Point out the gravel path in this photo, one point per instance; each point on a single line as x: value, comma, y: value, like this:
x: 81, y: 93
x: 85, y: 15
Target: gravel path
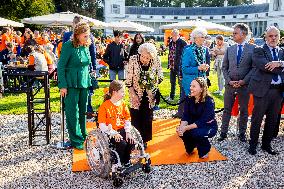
x: 22, y: 166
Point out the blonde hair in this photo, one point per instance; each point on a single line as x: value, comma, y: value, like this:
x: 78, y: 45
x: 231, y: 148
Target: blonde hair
x: 115, y: 85
x: 203, y: 85
x: 81, y: 27
x: 148, y: 47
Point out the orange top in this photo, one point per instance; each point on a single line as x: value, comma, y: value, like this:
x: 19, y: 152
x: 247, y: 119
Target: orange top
x: 31, y: 60
x: 41, y: 41
x: 47, y: 58
x: 52, y: 37
x: 115, y: 115
x: 5, y: 39
x: 59, y: 47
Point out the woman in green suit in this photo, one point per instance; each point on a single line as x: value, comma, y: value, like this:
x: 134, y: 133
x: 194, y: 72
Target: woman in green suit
x: 74, y: 81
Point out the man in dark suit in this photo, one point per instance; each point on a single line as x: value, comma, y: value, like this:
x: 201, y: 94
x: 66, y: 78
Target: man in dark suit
x: 266, y: 87
x: 237, y: 69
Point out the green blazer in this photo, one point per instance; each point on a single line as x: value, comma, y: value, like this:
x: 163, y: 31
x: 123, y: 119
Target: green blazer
x: 73, y: 67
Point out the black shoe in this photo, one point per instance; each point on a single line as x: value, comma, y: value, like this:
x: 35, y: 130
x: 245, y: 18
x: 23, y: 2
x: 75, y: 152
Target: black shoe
x: 222, y: 137
x: 269, y: 150
x: 242, y: 138
x: 252, y: 151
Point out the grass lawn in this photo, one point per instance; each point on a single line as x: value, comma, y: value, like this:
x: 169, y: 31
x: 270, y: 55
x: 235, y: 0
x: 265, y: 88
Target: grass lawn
x: 17, y: 103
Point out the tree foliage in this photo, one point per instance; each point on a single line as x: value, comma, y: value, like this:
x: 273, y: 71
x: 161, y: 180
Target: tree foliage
x: 18, y: 9
x: 90, y: 8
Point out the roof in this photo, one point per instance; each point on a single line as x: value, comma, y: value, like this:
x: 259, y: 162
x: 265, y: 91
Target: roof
x: 230, y: 10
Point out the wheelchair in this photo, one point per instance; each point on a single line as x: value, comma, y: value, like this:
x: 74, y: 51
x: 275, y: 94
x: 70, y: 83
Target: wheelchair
x: 104, y: 161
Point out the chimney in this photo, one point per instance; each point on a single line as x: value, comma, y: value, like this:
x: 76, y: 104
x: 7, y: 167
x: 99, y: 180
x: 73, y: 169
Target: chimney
x: 225, y: 3
x: 182, y: 5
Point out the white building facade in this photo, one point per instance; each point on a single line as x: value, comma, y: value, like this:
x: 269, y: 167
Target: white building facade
x: 257, y: 16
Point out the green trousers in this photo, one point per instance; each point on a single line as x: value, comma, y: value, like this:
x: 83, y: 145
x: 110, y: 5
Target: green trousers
x: 75, y: 111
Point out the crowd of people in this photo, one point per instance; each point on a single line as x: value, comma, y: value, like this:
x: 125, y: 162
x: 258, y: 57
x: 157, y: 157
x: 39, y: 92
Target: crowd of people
x: 241, y: 69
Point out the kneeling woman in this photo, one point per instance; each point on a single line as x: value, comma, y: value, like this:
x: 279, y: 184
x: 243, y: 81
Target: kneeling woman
x: 198, y: 122
x: 114, y: 120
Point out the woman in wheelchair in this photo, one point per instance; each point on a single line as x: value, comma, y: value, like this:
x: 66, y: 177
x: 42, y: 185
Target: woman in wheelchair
x: 114, y: 120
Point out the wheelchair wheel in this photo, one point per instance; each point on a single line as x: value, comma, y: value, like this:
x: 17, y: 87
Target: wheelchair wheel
x: 136, y: 135
x: 137, y: 151
x: 98, y: 153
x: 117, y: 182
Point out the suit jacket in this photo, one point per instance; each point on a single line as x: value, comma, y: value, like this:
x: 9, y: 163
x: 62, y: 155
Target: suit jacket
x: 73, y: 67
x: 67, y: 36
x: 180, y: 44
x: 234, y: 72
x: 261, y: 78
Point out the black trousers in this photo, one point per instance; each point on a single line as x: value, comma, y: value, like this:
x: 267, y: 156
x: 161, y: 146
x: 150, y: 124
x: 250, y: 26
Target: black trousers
x: 123, y: 148
x: 198, y: 138
x: 142, y: 119
x: 268, y: 105
x: 276, y: 130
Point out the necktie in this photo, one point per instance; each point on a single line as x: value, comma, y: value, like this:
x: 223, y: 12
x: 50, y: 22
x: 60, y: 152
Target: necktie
x: 240, y: 51
x: 275, y: 58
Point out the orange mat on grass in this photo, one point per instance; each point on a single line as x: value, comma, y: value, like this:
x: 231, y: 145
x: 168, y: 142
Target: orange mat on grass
x: 165, y: 148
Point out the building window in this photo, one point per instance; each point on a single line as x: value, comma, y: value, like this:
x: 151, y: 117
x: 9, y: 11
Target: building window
x: 256, y: 15
x: 246, y: 16
x: 235, y: 16
x: 151, y: 16
x: 138, y: 16
x: 211, y: 17
x: 277, y: 5
x: 199, y: 17
x: 175, y: 17
x: 163, y: 17
x: 266, y: 14
x: 223, y: 17
x: 187, y: 17
x: 115, y: 9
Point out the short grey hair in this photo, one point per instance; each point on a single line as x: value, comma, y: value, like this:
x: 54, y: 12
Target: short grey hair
x: 269, y: 28
x: 175, y: 31
x: 148, y: 47
x: 198, y: 32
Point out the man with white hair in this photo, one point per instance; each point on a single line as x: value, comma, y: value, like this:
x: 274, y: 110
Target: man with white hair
x: 266, y: 85
x: 176, y: 46
x: 237, y: 70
